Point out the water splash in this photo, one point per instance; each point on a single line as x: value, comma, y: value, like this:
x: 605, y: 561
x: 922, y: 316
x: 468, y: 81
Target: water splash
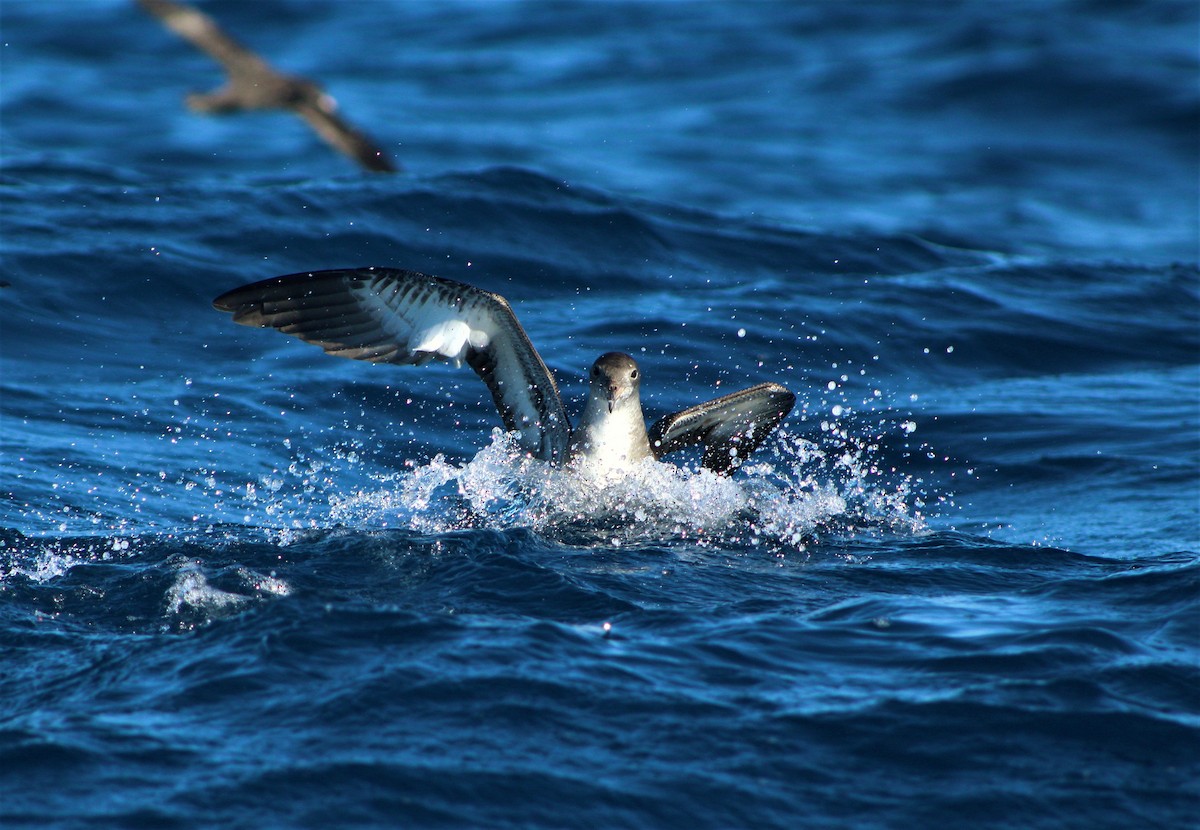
x: 41, y: 561
x: 800, y: 487
x: 192, y: 600
x: 803, y: 491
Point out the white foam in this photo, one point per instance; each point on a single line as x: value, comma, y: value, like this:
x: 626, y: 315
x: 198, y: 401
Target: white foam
x: 193, y: 600
x: 55, y: 557
x: 783, y: 501
x: 191, y: 591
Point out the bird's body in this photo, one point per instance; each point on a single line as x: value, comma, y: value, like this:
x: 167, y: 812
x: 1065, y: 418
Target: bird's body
x: 612, y: 430
x: 393, y: 316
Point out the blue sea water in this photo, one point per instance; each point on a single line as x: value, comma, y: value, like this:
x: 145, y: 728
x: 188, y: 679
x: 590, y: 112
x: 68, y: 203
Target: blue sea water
x: 243, y: 584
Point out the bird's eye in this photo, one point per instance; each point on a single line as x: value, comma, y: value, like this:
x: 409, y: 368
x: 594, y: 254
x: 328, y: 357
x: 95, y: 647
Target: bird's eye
x: 633, y: 375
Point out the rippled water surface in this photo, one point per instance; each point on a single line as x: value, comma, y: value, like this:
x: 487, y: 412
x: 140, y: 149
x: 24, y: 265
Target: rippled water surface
x: 245, y: 584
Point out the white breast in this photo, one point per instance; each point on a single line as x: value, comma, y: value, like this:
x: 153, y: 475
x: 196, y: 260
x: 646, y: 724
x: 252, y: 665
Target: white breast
x: 610, y: 440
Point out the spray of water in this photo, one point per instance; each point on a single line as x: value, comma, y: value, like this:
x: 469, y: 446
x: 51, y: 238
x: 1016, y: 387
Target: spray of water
x: 800, y: 492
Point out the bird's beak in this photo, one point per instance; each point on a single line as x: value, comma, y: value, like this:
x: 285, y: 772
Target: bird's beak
x: 615, y: 393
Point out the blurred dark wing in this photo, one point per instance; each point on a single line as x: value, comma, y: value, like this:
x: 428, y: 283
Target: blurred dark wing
x: 341, y: 136
x: 388, y: 315
x: 730, y: 428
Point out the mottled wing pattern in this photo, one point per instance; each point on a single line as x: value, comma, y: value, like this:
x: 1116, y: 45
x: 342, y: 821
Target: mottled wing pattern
x: 387, y: 315
x: 730, y: 427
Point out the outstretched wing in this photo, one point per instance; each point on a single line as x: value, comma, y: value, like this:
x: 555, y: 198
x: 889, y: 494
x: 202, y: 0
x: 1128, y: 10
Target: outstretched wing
x: 730, y: 428
x: 388, y: 315
x: 202, y: 32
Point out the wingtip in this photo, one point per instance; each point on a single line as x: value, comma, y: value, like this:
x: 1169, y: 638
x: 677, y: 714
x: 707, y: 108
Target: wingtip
x: 782, y: 394
x: 244, y: 298
x: 244, y: 312
x: 231, y: 302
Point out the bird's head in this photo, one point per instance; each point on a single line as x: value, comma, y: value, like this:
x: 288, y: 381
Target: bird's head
x: 614, y: 379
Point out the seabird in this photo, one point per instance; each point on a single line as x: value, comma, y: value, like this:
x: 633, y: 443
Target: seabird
x: 388, y: 315
x: 255, y: 84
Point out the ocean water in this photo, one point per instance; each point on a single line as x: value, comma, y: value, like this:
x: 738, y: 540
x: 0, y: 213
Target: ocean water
x: 243, y: 584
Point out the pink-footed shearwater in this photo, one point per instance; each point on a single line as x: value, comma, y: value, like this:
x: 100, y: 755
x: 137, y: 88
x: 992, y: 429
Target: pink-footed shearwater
x: 388, y: 315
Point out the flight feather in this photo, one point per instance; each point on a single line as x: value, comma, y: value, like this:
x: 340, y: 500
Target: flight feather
x: 388, y: 315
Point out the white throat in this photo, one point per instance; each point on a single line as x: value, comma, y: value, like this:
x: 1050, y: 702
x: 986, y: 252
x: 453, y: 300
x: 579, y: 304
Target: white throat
x: 611, y: 440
